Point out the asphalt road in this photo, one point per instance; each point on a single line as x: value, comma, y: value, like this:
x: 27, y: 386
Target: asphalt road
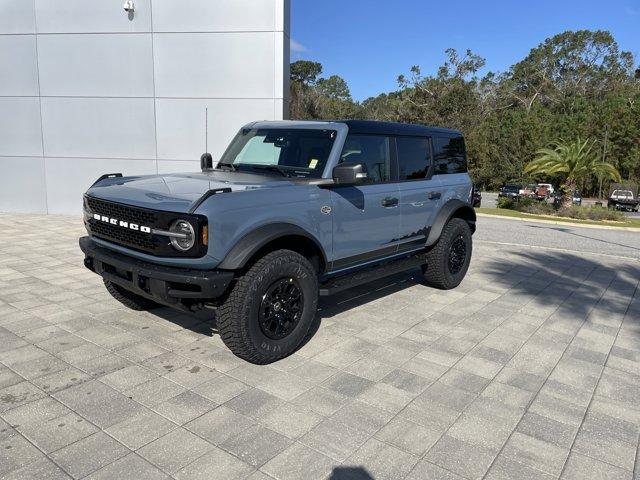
x: 562, y: 237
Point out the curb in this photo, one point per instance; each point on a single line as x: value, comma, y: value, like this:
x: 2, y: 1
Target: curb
x: 556, y: 222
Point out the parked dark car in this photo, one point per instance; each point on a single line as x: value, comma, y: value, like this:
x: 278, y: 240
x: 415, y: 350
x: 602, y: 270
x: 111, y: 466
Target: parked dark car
x: 510, y: 191
x: 577, y: 198
x: 476, y: 197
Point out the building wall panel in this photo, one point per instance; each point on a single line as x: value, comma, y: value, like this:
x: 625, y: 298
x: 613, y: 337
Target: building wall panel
x: 20, y: 133
x: 92, y: 16
x: 19, y: 66
x: 99, y: 127
x: 91, y: 89
x: 113, y: 65
x: 24, y: 190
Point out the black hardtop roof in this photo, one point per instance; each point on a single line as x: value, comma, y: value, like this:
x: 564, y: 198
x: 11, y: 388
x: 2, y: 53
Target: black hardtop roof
x: 392, y: 128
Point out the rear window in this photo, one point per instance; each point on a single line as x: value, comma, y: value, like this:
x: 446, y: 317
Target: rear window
x: 623, y: 193
x: 414, y: 157
x: 449, y: 155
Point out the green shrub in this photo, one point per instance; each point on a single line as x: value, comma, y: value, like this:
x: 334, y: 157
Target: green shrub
x: 526, y: 205
x: 507, y: 203
x: 535, y: 207
x: 591, y: 213
x: 525, y: 202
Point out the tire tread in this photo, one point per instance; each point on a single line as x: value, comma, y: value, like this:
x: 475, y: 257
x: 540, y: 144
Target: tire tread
x: 434, y: 272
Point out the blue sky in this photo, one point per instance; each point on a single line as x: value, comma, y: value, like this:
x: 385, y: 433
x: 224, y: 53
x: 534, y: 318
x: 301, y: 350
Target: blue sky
x: 370, y: 42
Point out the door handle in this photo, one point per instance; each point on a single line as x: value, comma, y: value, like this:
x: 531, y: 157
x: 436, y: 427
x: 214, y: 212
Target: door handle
x: 434, y: 195
x: 390, y: 202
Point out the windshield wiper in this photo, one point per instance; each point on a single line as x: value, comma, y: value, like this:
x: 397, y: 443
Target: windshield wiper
x: 231, y: 166
x: 272, y: 168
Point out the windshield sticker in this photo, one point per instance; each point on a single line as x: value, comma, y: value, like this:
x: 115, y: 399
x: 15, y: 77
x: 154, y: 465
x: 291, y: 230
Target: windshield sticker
x: 313, y: 163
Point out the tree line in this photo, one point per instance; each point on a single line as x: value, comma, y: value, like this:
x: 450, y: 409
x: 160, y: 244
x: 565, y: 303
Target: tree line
x: 577, y: 84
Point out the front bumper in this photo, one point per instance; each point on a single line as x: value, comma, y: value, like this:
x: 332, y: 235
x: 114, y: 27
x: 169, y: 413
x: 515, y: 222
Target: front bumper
x: 618, y: 205
x: 180, y: 288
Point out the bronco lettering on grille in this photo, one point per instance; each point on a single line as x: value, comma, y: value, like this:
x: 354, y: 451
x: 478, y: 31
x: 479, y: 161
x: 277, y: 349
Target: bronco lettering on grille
x: 122, y: 223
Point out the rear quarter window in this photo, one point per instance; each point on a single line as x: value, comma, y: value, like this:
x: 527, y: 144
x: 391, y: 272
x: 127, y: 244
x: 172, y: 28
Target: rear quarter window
x: 450, y: 155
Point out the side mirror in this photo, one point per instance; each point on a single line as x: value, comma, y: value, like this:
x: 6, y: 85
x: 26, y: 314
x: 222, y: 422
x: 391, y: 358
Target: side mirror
x: 206, y: 162
x: 349, y: 173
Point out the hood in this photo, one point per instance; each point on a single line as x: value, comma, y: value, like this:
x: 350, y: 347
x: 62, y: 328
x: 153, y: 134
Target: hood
x: 179, y: 191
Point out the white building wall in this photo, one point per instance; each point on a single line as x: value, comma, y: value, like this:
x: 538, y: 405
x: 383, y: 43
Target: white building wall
x: 86, y: 89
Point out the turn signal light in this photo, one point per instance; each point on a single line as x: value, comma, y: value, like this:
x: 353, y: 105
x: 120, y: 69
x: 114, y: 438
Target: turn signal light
x: 205, y: 235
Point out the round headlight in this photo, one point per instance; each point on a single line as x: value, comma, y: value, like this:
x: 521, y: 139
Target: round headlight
x: 184, y: 237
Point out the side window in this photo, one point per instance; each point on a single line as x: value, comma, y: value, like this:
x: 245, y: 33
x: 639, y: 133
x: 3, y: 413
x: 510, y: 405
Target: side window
x: 414, y: 157
x: 449, y: 155
x: 372, y: 151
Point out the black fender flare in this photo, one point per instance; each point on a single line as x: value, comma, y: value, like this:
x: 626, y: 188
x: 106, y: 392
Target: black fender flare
x: 451, y: 208
x: 253, y: 241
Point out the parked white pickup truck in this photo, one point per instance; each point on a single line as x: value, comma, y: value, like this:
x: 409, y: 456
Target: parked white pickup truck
x: 623, y: 200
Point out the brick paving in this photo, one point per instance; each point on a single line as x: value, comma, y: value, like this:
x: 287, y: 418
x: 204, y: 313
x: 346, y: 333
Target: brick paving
x: 530, y: 369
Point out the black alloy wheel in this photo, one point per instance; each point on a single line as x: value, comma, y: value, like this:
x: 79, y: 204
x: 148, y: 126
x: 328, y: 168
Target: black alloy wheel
x: 457, y: 255
x: 281, y: 308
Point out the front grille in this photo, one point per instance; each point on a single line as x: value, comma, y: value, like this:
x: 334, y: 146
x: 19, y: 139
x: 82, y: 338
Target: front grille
x: 120, y: 235
x: 137, y: 239
x: 122, y: 212
x: 130, y: 238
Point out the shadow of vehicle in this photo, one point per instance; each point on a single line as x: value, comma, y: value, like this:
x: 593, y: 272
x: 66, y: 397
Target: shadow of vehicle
x: 203, y: 322
x: 350, y: 473
x: 567, y: 286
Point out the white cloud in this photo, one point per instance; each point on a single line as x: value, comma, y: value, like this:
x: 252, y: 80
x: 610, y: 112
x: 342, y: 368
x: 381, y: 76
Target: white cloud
x: 297, y: 47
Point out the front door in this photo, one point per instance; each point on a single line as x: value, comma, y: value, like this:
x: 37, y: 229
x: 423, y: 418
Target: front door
x: 366, y: 217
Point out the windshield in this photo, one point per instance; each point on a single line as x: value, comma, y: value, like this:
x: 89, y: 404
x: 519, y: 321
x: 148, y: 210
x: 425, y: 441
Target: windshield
x: 511, y: 188
x: 623, y: 193
x: 279, y: 151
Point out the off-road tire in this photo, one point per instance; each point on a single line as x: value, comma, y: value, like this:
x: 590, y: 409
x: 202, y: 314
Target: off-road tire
x: 436, y: 271
x: 130, y: 299
x: 238, y: 317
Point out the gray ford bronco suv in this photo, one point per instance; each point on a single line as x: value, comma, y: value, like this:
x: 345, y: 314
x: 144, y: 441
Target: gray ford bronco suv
x: 291, y: 211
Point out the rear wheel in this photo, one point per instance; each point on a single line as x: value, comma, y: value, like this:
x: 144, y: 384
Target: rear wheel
x: 270, y: 309
x: 130, y: 299
x: 448, y: 261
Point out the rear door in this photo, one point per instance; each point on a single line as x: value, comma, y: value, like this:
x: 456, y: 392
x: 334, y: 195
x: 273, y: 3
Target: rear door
x: 420, y: 192
x: 450, y: 167
x: 366, y: 217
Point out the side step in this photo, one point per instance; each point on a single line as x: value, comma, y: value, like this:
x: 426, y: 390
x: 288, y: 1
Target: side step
x: 338, y: 284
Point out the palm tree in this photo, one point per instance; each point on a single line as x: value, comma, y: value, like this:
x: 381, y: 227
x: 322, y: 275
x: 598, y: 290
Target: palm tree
x: 576, y: 160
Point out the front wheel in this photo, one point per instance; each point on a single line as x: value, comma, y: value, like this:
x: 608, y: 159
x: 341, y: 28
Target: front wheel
x: 270, y: 309
x: 448, y: 261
